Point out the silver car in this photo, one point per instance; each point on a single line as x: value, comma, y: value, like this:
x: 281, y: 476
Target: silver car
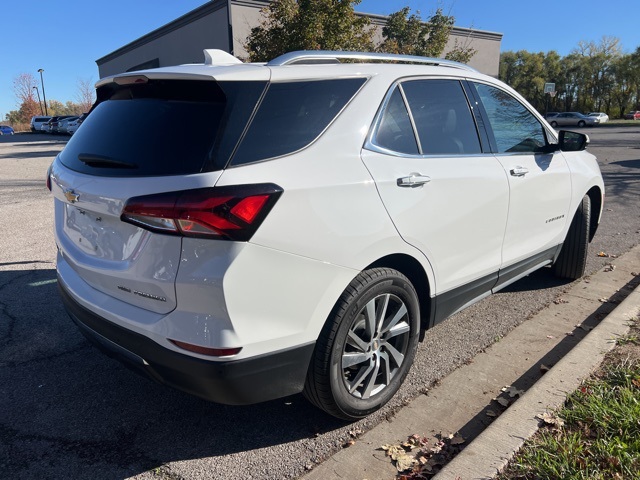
x: 573, y: 119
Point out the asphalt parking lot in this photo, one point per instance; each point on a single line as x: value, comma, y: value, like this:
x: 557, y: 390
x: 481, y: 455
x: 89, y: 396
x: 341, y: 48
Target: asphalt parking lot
x: 67, y: 411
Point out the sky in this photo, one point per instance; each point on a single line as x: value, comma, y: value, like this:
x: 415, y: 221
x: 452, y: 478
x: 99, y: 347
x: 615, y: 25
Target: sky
x: 66, y: 38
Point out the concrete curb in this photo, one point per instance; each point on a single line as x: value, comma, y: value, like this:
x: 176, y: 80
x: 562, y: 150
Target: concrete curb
x: 489, y: 453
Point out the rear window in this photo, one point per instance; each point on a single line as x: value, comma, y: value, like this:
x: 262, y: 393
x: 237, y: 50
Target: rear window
x: 292, y: 115
x: 161, y: 127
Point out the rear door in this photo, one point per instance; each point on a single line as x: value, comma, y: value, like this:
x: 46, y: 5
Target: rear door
x: 445, y: 196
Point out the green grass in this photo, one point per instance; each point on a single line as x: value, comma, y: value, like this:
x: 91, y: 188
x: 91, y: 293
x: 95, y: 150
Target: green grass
x: 600, y: 438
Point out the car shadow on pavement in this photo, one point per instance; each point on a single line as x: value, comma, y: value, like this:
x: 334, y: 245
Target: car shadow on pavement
x: 68, y: 411
x: 35, y: 154
x: 539, y: 367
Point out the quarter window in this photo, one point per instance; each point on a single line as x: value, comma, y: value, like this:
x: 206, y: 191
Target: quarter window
x: 514, y: 127
x: 442, y: 117
x: 395, y: 132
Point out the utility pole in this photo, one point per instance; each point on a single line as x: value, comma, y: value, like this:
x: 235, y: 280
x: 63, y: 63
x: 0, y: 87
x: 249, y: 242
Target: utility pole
x: 44, y: 95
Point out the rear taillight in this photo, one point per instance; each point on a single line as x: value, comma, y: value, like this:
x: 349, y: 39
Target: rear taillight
x: 228, y: 213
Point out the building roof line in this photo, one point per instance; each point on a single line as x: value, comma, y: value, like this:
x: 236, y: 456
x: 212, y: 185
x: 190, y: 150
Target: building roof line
x: 173, y: 25
x: 215, y: 5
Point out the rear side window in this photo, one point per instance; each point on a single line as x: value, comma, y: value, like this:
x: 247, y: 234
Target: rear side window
x: 292, y: 115
x: 160, y: 127
x: 442, y: 117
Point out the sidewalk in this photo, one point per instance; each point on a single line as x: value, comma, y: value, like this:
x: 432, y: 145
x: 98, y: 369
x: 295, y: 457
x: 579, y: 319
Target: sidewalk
x: 561, y: 336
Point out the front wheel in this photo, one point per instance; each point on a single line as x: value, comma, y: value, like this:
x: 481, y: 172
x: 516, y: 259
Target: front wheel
x: 572, y: 261
x: 554, y: 124
x: 367, y: 346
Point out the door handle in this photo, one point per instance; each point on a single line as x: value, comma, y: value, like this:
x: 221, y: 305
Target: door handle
x: 519, y: 171
x: 413, y: 180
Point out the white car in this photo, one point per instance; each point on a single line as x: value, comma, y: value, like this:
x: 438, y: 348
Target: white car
x: 37, y: 122
x: 308, y: 220
x: 601, y: 116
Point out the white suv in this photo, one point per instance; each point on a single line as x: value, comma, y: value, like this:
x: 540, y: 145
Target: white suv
x: 249, y: 231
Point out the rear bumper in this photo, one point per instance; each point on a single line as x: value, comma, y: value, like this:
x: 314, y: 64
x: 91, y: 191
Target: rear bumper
x: 234, y: 382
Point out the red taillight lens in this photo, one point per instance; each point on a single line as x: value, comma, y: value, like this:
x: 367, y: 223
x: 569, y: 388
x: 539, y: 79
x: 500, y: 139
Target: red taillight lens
x: 230, y: 213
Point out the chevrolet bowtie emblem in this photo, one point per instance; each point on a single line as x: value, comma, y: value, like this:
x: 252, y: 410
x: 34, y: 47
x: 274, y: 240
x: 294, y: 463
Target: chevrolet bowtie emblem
x: 71, y: 196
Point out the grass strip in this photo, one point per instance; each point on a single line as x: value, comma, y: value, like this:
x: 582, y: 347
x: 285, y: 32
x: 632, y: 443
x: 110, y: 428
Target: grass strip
x: 596, y: 435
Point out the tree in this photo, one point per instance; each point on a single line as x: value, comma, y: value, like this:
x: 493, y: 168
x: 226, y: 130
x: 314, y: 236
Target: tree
x: 27, y: 105
x: 406, y: 33
x: 85, y: 94
x: 290, y: 25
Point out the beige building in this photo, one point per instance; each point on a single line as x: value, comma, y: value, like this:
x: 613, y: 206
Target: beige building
x: 225, y: 24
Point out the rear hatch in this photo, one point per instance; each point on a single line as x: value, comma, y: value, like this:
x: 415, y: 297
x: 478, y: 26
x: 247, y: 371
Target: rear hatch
x: 143, y: 137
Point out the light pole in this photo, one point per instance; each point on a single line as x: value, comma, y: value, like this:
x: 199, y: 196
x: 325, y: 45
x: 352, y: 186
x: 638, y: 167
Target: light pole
x: 44, y: 95
x: 39, y: 102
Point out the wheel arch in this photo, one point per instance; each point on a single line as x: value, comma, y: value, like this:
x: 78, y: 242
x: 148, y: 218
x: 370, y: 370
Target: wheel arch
x: 414, y: 271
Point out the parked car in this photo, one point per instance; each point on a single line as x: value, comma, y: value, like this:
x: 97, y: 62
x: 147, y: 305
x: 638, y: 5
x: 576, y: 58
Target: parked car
x: 6, y: 130
x: 603, y: 117
x: 73, y: 125
x: 308, y: 220
x: 55, y: 123
x: 632, y: 115
x: 550, y: 114
x: 63, y: 124
x: 573, y: 119
x: 37, y: 122
x: 47, y: 126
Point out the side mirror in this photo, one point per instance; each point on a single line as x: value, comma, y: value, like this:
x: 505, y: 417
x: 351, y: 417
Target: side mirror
x: 573, y: 141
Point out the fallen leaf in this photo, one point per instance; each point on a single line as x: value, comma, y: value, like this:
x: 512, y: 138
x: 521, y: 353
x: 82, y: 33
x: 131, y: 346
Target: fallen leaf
x: 457, y: 440
x: 513, y: 391
x: 405, y: 462
x: 550, y: 419
x: 586, y: 328
x: 503, y: 401
x: 636, y: 382
x: 602, y: 254
x: 550, y: 336
x: 491, y: 413
x: 569, y: 334
x: 544, y: 368
x: 558, y: 301
x: 603, y: 300
x: 609, y: 267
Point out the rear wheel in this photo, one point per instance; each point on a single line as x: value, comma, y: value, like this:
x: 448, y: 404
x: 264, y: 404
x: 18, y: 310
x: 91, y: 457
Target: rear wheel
x: 367, y: 346
x: 581, y: 123
x: 572, y: 260
x: 554, y: 124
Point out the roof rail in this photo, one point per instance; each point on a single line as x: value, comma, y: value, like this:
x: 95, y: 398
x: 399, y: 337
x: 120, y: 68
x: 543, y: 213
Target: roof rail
x: 306, y: 57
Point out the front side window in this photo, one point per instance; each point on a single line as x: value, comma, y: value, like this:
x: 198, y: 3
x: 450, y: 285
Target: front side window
x: 514, y: 127
x: 442, y: 117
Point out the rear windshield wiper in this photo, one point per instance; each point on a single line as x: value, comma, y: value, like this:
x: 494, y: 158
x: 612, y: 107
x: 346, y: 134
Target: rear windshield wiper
x: 100, y: 161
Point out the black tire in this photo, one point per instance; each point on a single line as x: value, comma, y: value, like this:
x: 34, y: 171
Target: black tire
x: 554, y: 124
x: 350, y: 391
x: 572, y: 260
x: 581, y: 123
